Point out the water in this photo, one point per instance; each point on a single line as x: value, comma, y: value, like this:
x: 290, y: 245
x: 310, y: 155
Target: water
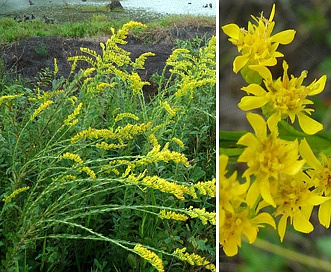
x: 159, y: 6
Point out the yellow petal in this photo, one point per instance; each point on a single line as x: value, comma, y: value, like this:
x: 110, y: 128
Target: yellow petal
x: 258, y: 124
x: 251, y: 102
x: 324, y: 214
x: 230, y: 248
x: 319, y: 85
x: 250, y: 232
x: 263, y: 71
x: 247, y: 139
x: 273, y: 121
x: 223, y: 162
x: 272, y: 14
x: 239, y: 62
x: 309, y: 125
x: 231, y: 30
x: 294, y: 168
x: 282, y: 227
x: 307, y: 154
x: 254, y: 89
x: 301, y: 223
x: 264, y: 218
x: 266, y: 194
x: 283, y: 37
x: 253, y: 194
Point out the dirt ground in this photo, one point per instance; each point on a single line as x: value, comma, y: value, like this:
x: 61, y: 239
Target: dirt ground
x: 29, y: 56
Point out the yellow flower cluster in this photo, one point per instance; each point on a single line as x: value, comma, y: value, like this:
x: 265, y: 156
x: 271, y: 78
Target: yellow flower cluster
x: 283, y: 98
x: 71, y: 156
x: 9, y: 97
x: 156, y: 154
x: 236, y: 217
x: 149, y: 256
x: 67, y: 177
x: 256, y: 44
x: 168, y: 108
x: 92, y: 133
x: 194, y: 259
x: 195, y: 72
x: 172, y: 215
x: 113, y: 60
x: 178, y: 190
x: 129, y: 130
x: 178, y: 141
x: 139, y: 63
x: 282, y: 174
x: 42, y: 107
x: 121, y: 116
x: 56, y: 67
x: 104, y: 85
x: 88, y: 171
x: 16, y: 192
x: 106, y: 146
x: 71, y: 121
x: 207, y: 187
x: 203, y: 215
x: 120, y: 133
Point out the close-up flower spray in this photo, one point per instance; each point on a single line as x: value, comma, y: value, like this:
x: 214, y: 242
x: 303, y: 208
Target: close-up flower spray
x: 284, y: 169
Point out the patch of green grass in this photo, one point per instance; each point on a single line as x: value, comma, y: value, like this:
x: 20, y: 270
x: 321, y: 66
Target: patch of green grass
x: 98, y: 25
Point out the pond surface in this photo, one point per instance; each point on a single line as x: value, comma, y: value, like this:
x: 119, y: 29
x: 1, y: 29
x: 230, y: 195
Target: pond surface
x: 193, y: 7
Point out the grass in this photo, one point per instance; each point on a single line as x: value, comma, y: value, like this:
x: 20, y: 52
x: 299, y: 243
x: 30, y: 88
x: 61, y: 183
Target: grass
x: 98, y: 25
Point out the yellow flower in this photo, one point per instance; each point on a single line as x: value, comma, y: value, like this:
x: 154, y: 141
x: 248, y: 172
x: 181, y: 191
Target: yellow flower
x: 256, y: 44
x: 42, y: 107
x: 320, y: 173
x: 207, y: 187
x: 9, y: 97
x: 235, y: 217
x: 295, y: 201
x: 178, y: 141
x: 70, y: 121
x: 155, y: 182
x: 267, y: 158
x: 231, y: 191
x: 284, y: 98
x: 172, y: 215
x: 121, y: 116
x: 149, y: 256
x: 203, y: 215
x: 194, y: 259
x: 156, y: 154
x: 16, y: 192
x: 139, y: 63
x: 71, y: 156
x: 240, y: 223
x: 56, y: 67
x: 92, y: 133
x: 88, y: 171
x: 106, y: 146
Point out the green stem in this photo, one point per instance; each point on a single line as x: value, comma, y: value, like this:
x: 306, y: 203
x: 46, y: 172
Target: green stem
x: 293, y: 255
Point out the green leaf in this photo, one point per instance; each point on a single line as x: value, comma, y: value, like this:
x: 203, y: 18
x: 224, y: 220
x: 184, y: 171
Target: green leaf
x: 320, y: 142
x: 230, y: 138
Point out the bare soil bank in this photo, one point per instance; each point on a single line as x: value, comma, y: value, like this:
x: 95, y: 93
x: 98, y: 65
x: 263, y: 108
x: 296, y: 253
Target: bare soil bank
x: 29, y: 56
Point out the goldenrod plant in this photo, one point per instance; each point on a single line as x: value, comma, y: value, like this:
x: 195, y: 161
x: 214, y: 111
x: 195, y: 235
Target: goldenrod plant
x: 287, y: 166
x: 94, y: 177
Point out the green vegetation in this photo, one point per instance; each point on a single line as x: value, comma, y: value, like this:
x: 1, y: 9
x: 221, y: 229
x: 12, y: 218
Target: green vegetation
x: 94, y: 178
x: 98, y: 25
